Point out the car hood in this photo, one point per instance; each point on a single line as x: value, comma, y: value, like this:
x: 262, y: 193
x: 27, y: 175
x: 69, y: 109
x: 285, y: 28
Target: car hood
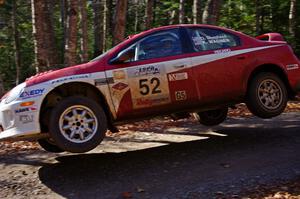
x: 69, y: 71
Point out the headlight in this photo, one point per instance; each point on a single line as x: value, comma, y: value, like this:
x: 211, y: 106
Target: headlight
x: 15, y: 93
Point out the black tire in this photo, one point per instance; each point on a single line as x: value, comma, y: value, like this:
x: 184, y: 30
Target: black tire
x: 212, y: 117
x: 77, y: 124
x: 47, y: 145
x: 267, y: 95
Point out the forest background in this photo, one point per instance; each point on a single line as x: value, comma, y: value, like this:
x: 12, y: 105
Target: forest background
x: 40, y: 35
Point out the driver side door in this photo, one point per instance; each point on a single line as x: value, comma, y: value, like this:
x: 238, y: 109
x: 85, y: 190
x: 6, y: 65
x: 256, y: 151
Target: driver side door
x: 154, y: 78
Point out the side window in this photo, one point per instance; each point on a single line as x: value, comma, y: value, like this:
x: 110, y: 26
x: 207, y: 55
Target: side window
x: 212, y: 39
x: 161, y: 44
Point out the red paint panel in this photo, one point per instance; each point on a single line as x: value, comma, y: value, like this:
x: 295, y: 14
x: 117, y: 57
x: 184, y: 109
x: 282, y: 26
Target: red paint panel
x: 187, y: 85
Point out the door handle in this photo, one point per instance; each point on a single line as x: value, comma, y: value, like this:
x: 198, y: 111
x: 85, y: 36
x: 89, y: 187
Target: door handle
x: 180, y: 66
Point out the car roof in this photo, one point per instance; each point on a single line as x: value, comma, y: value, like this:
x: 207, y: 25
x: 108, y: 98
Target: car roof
x: 185, y: 26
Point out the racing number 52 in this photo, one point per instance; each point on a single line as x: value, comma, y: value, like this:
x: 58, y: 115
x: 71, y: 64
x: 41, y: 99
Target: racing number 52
x: 145, y: 88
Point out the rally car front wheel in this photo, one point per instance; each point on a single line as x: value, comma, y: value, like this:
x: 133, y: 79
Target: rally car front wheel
x: 77, y: 124
x: 212, y: 117
x: 267, y: 95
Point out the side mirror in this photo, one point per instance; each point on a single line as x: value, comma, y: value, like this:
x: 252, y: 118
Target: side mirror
x: 123, y: 56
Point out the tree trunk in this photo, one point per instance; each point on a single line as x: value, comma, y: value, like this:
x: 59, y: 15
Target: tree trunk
x: 71, y: 33
x: 211, y: 12
x: 206, y: 12
x: 292, y: 19
x: 197, y: 11
x: 63, y: 11
x: 98, y: 28
x: 84, y: 35
x: 257, y: 17
x: 110, y: 18
x: 149, y: 14
x: 119, y: 21
x: 16, y: 41
x: 2, y: 91
x: 172, y: 17
x: 136, y: 16
x: 181, y: 12
x: 43, y: 32
x: 216, y: 7
x: 154, y: 13
x: 262, y: 19
x: 105, y: 23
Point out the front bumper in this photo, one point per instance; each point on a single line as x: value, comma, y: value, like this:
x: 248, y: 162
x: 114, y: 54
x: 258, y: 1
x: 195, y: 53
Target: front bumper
x: 18, y: 122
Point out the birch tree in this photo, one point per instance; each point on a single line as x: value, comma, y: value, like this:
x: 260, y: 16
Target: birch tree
x: 181, y: 12
x: 292, y: 18
x: 197, y: 11
x: 84, y: 34
x: 211, y: 12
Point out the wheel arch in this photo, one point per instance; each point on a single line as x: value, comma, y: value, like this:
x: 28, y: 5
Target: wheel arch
x: 272, y: 68
x: 67, y: 90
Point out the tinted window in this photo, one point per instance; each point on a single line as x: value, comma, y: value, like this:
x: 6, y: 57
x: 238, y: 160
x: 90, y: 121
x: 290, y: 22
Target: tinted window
x: 212, y: 39
x: 161, y: 44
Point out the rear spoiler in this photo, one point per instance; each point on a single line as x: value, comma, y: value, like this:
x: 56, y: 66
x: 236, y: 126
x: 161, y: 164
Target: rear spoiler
x: 271, y: 37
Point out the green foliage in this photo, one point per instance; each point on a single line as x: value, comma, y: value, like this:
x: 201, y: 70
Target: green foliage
x: 238, y: 15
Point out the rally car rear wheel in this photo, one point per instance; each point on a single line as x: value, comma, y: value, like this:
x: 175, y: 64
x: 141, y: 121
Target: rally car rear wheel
x: 49, y: 145
x: 267, y: 95
x: 212, y: 117
x: 77, y: 124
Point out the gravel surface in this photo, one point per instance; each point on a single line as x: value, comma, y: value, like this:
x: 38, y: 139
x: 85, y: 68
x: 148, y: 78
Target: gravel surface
x: 242, y: 158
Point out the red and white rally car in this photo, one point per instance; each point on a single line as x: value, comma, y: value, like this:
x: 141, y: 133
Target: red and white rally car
x: 168, y: 70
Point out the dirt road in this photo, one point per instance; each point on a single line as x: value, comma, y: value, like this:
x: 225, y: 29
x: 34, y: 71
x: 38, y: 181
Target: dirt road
x: 185, y: 162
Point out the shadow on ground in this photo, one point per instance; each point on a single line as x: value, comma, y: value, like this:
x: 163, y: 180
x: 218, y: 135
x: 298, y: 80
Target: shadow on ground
x: 245, y: 157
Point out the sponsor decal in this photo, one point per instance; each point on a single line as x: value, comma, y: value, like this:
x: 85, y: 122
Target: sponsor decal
x: 26, y: 118
x: 148, y: 86
x: 32, y: 93
x: 22, y: 110
x: 32, y: 108
x: 146, y: 102
x: 119, y: 86
x: 180, y: 95
x: 145, y: 71
x: 119, y: 74
x: 104, y: 81
x: 198, y: 40
x: 177, y: 76
x: 70, y: 78
x: 292, y: 66
x: 219, y: 39
x: 222, y: 51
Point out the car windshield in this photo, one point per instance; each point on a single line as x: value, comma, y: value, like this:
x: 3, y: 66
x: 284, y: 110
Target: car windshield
x: 105, y: 53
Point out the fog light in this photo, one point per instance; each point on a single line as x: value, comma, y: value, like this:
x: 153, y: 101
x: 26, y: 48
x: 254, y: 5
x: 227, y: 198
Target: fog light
x: 8, y: 119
